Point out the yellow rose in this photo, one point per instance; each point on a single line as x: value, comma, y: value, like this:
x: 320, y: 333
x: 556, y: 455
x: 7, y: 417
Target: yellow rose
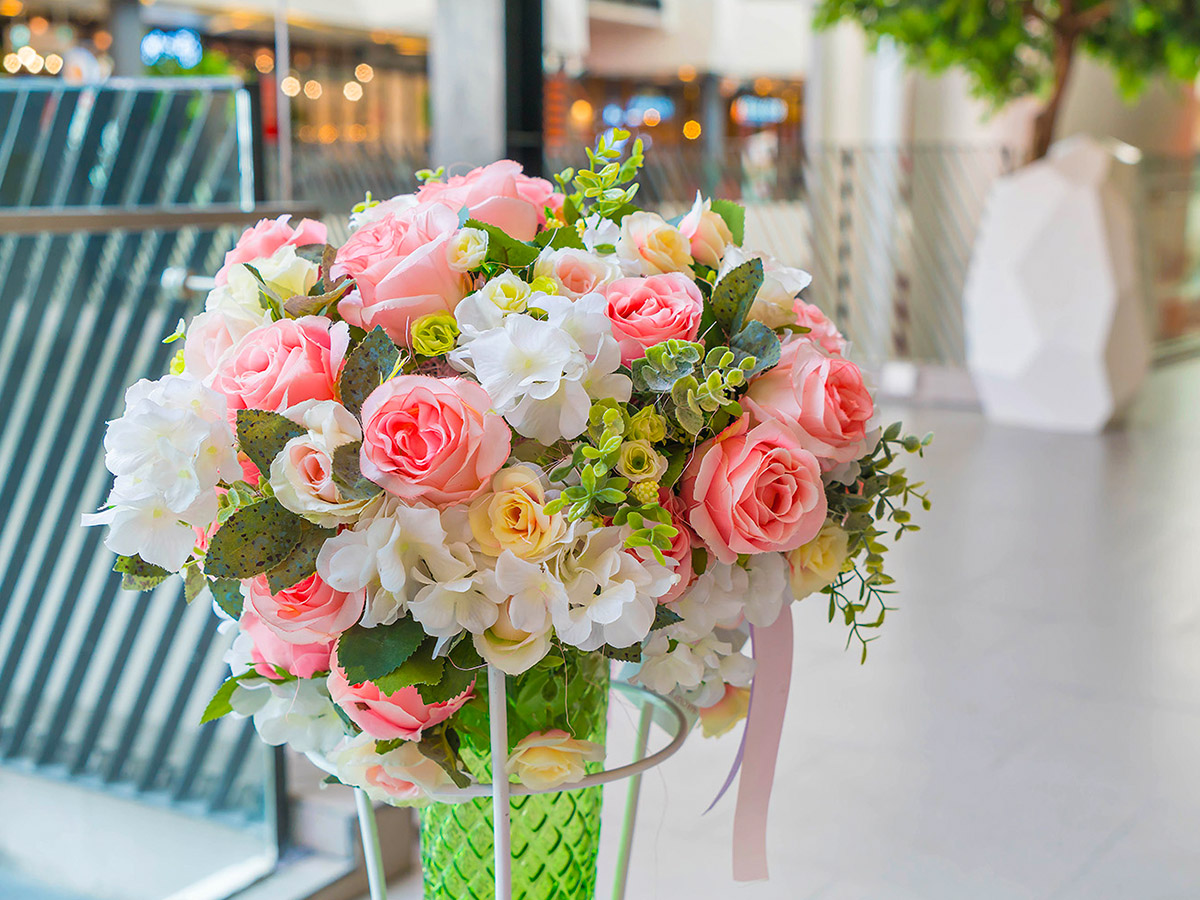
x: 652, y: 245
x: 513, y: 516
x: 818, y: 563
x: 507, y: 292
x: 638, y: 461
x: 548, y: 759
x: 509, y: 649
x: 720, y: 718
x: 467, y: 250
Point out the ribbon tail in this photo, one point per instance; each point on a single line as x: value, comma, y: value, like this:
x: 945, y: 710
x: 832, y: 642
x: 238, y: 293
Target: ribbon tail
x: 760, y: 746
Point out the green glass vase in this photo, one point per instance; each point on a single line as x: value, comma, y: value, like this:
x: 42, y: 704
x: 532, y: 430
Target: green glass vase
x: 555, y: 837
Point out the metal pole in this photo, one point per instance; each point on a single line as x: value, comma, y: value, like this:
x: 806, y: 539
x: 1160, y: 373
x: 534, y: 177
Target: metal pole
x: 372, y: 855
x: 501, y: 816
x: 632, y: 795
x: 283, y: 103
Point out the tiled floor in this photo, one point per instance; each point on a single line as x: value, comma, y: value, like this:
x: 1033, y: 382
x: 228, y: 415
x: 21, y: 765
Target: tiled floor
x: 1028, y: 728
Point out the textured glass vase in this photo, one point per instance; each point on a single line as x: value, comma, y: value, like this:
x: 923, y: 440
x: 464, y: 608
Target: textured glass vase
x: 555, y: 837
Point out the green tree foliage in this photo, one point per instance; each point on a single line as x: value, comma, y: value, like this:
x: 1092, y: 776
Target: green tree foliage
x: 1015, y: 48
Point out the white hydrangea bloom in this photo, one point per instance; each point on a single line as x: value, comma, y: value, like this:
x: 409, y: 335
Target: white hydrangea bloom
x: 298, y: 713
x: 486, y: 307
x: 168, y: 451
x: 611, y: 593
x: 600, y: 232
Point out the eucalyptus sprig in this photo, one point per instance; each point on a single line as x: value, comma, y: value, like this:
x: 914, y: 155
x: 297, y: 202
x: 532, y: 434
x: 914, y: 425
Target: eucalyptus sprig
x: 600, y: 188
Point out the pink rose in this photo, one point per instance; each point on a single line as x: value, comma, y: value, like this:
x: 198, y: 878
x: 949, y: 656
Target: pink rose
x: 647, y: 311
x: 822, y: 398
x: 432, y: 440
x: 753, y: 489
x: 498, y: 194
x: 283, y: 363
x: 306, y: 613
x: 820, y: 328
x: 386, y: 717
x: 268, y: 236
x: 401, y: 270
x: 270, y: 652
x: 681, y: 545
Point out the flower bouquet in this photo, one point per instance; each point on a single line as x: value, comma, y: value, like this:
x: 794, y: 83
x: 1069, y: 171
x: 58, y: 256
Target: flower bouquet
x: 514, y: 426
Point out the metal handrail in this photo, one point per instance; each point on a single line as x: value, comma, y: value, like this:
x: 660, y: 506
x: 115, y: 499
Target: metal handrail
x: 28, y: 83
x: 94, y: 220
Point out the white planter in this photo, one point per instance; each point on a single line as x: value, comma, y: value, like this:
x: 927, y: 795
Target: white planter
x: 1054, y: 314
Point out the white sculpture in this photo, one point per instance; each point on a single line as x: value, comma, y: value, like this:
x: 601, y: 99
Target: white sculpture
x: 1056, y: 326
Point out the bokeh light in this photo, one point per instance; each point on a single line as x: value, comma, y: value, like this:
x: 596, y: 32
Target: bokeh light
x: 313, y: 89
x: 54, y: 63
x: 264, y: 62
x: 364, y: 73
x: 352, y: 91
x: 691, y: 129
x: 290, y: 85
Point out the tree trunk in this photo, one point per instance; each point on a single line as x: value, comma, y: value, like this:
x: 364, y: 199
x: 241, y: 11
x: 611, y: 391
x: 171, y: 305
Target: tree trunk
x: 1043, y: 129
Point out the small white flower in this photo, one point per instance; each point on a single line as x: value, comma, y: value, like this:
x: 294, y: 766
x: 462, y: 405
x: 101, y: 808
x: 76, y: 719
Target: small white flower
x: 532, y: 591
x: 484, y: 309
x: 600, y: 232
x: 467, y: 249
x: 298, y: 713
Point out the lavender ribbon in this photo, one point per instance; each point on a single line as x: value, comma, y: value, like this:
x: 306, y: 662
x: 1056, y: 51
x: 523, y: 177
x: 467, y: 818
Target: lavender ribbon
x: 771, y: 648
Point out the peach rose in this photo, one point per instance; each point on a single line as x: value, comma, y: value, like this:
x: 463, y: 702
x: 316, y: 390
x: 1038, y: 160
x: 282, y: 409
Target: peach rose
x: 283, y: 363
x: 576, y: 272
x: 706, y: 232
x: 306, y: 613
x: 267, y: 236
x: 753, y: 489
x: 547, y: 759
x: 402, y: 270
x: 648, y: 311
x: 432, y: 440
x: 402, y: 777
x: 270, y: 652
x: 386, y: 717
x: 512, y: 516
x: 820, y: 329
x: 651, y: 246
x: 722, y: 716
x: 822, y: 398
x: 498, y: 194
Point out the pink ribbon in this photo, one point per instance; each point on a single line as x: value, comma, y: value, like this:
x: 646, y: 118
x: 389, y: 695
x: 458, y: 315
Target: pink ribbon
x: 759, y: 751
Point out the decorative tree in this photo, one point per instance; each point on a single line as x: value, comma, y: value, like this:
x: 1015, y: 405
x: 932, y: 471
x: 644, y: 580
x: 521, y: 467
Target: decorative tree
x: 1014, y: 48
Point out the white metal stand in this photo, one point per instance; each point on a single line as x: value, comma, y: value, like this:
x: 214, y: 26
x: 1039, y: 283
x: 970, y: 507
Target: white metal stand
x: 501, y: 791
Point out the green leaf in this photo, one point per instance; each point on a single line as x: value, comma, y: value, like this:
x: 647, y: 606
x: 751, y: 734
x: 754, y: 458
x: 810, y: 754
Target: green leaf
x: 734, y: 215
x: 219, y: 705
x: 317, y: 304
x: 227, y: 592
x: 624, y: 654
x: 675, y: 466
x: 420, y: 668
x: 556, y: 238
x: 734, y: 294
x: 262, y: 435
x: 368, y: 654
x: 664, y: 616
x: 348, y: 476
x: 757, y: 340
x: 302, y: 561
x: 194, y: 583
x: 440, y: 745
x: 255, y: 539
x: 505, y: 250
x: 139, y: 575
x: 463, y: 666
x: 367, y: 365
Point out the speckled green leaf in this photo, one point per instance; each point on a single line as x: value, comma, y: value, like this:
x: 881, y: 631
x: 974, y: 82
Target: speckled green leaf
x: 368, y: 654
x: 759, y: 341
x: 734, y: 293
x: 262, y: 434
x: 316, y: 304
x: 255, y: 539
x: 624, y: 654
x: 227, y: 592
x: 302, y: 561
x: 139, y: 575
x: 193, y: 582
x: 664, y: 616
x: 367, y: 365
x: 348, y: 477
x: 420, y: 668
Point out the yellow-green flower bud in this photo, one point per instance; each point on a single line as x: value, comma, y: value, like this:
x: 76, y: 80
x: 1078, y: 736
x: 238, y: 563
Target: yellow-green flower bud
x: 648, y: 425
x: 177, y: 362
x: 645, y: 492
x: 638, y: 461
x: 544, y: 285
x: 434, y: 334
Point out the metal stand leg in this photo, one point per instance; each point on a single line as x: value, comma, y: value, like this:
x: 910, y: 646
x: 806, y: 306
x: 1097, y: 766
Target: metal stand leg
x: 370, y: 840
x: 631, y: 806
x: 501, y: 817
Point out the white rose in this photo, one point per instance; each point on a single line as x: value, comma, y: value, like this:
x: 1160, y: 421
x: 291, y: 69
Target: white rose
x: 467, y: 249
x: 401, y: 777
x: 774, y: 305
x: 576, y: 272
x: 302, y: 474
x: 818, y: 563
